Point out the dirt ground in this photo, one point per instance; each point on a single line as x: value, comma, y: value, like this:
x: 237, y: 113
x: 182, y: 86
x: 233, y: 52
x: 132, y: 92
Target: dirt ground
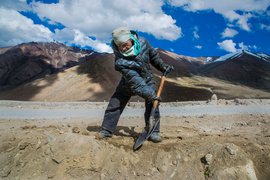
x: 235, y: 146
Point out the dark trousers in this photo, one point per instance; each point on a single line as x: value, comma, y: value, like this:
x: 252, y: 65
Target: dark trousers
x: 116, y: 106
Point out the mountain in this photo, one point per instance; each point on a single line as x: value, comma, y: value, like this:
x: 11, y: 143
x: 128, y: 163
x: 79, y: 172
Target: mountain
x: 55, y: 72
x: 241, y: 68
x: 23, y: 62
x: 183, y: 65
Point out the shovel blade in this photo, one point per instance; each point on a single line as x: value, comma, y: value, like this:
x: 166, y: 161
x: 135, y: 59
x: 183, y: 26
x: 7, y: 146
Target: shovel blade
x: 139, y: 142
x: 153, y: 122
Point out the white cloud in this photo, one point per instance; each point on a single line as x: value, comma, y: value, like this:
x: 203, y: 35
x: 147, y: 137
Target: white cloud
x: 227, y: 8
x: 71, y: 36
x: 227, y: 45
x: 16, y: 28
x: 83, y: 19
x: 242, y: 46
x: 195, y: 32
x: 18, y: 5
x: 265, y: 27
x: 99, y: 18
x: 171, y: 49
x: 198, y: 47
x: 228, y: 32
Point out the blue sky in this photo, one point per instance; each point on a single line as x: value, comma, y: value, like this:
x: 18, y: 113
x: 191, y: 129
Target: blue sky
x: 188, y: 27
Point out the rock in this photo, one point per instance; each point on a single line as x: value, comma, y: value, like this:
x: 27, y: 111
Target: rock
x: 163, y: 168
x: 5, y: 171
x: 10, y: 149
x: 29, y: 127
x: 202, y: 116
x: 85, y: 133
x: 76, y: 130
x: 122, y: 131
x: 245, y: 171
x: 231, y: 148
x: 23, y: 145
x: 51, y: 172
x: 38, y: 144
x: 243, y: 123
x: 50, y: 138
x: 227, y: 128
x: 214, y: 97
x: 76, y: 160
x: 208, y: 158
x: 58, y: 159
x: 186, y: 159
x: 102, y: 176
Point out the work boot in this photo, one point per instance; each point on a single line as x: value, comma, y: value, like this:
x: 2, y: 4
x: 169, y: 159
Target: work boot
x: 155, y: 137
x: 103, y: 134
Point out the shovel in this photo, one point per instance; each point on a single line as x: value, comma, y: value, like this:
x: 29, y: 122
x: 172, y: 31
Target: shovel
x: 154, y: 116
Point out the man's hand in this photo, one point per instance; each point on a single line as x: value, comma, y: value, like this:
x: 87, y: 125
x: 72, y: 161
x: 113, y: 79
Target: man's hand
x: 158, y: 98
x: 168, y: 68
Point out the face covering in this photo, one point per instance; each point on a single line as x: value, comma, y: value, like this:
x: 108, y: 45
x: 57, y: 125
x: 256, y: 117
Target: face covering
x: 135, y: 49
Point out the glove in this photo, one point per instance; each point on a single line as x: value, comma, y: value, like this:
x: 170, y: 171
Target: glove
x: 157, y: 98
x: 151, y: 100
x: 168, y: 68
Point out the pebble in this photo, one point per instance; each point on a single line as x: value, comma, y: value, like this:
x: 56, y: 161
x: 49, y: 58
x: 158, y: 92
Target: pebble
x: 76, y: 130
x: 214, y: 97
x: 6, y: 171
x: 58, y: 160
x: 243, y: 123
x: 227, y: 128
x: 231, y: 149
x: 23, y: 145
x: 102, y: 176
x: 163, y: 168
x: 208, y: 158
x: 10, y: 149
x: 29, y: 127
x: 185, y: 159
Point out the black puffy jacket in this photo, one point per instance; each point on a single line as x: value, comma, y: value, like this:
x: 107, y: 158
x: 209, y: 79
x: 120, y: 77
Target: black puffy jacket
x: 136, y: 71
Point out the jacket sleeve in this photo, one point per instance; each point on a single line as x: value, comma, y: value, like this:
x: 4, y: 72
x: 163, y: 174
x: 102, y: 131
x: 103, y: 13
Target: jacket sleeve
x: 155, y: 60
x: 130, y: 73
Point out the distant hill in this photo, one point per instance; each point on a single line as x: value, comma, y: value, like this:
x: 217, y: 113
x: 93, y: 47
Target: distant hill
x: 27, y: 61
x: 55, y: 72
x: 184, y: 65
x: 242, y: 68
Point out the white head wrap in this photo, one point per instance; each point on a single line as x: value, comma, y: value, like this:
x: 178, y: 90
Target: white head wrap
x: 121, y: 35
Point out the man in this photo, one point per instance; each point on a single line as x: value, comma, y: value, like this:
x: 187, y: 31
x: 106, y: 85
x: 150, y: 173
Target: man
x: 133, y: 56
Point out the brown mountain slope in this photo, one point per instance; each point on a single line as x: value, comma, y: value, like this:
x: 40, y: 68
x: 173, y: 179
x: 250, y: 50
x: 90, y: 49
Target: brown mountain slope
x: 24, y: 62
x: 183, y: 65
x: 242, y: 68
x: 95, y: 80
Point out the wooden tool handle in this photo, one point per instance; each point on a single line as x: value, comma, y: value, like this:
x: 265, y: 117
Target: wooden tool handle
x: 155, y: 103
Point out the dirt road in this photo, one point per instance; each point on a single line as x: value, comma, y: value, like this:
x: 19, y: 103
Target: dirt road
x: 201, y: 140
x: 48, y: 110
